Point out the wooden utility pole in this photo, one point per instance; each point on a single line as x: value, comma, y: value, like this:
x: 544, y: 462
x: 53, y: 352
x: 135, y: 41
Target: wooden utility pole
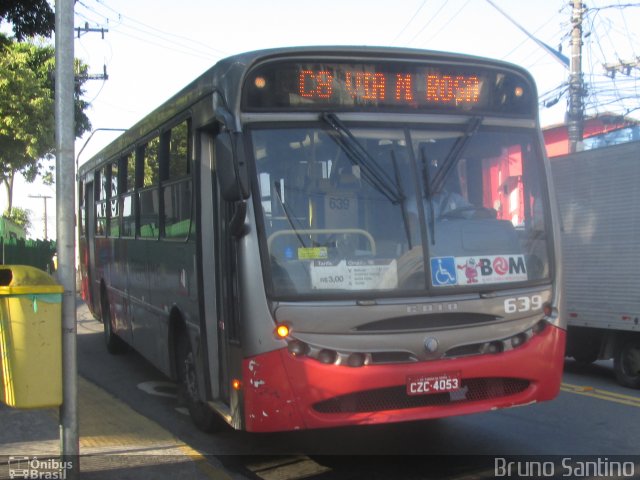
x: 45, y: 198
x: 575, y: 113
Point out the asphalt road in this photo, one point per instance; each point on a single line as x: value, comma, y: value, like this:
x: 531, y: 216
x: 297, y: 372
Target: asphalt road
x: 592, y: 416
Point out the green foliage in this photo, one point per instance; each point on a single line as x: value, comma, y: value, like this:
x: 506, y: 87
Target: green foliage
x: 26, y: 108
x: 28, y: 17
x: 27, y: 123
x: 20, y: 217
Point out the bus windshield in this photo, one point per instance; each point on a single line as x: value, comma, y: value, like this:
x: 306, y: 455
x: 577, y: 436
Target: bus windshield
x: 353, y: 209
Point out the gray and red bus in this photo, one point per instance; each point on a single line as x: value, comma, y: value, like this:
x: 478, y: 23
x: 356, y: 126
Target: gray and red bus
x: 327, y: 236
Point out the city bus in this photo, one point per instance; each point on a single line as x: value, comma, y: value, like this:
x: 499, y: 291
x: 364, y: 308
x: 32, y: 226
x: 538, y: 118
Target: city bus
x: 327, y: 236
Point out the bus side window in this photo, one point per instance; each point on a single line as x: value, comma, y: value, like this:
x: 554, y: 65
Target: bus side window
x: 82, y: 208
x: 177, y: 185
x: 101, y: 203
x: 128, y: 178
x: 148, y: 196
x: 114, y: 202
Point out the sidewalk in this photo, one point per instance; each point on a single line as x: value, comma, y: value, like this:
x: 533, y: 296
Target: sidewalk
x: 115, y: 443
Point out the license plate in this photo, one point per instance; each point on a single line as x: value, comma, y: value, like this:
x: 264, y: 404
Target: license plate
x: 429, y: 384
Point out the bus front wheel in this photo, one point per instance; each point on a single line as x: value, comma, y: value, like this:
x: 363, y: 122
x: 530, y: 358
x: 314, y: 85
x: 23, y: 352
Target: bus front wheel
x: 188, y: 394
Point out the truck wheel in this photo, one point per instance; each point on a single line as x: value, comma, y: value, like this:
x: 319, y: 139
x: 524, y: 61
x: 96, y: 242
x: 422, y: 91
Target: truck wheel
x: 201, y: 414
x: 627, y: 364
x: 113, y: 342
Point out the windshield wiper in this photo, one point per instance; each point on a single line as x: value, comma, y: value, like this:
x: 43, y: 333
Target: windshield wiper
x: 359, y: 156
x: 403, y: 206
x: 427, y: 182
x: 437, y: 182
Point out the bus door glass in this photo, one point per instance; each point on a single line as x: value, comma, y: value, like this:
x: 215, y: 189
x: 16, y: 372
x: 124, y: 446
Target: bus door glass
x: 93, y: 288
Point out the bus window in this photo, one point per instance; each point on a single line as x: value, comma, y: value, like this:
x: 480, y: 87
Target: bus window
x: 82, y: 207
x: 179, y: 151
x: 128, y: 199
x: 177, y: 193
x: 151, y: 163
x: 114, y: 213
x: 101, y: 203
x: 149, y: 202
x: 130, y: 175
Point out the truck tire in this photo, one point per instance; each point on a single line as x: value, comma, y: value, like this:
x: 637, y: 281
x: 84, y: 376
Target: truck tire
x: 203, y: 417
x: 626, y: 363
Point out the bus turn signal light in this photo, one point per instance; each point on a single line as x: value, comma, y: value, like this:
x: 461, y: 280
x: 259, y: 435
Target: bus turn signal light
x: 282, y: 331
x: 236, y: 384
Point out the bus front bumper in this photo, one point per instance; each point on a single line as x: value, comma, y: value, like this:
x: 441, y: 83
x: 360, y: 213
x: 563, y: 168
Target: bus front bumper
x: 283, y: 392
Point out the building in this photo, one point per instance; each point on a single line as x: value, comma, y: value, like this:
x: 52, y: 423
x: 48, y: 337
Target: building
x: 599, y: 131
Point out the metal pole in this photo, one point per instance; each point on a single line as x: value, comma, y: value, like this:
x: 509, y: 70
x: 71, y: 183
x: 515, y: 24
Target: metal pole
x: 45, y: 198
x: 65, y: 215
x: 575, y: 115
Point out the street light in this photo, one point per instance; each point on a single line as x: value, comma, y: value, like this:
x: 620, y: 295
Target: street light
x: 93, y: 132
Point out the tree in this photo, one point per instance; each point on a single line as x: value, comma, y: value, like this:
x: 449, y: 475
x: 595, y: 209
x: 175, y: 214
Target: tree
x: 27, y: 123
x: 28, y: 17
x: 21, y: 217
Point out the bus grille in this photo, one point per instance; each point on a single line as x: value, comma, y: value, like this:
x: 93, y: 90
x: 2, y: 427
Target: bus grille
x: 396, y: 398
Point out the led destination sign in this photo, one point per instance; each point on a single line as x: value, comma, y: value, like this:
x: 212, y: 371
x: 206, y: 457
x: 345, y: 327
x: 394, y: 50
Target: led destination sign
x: 391, y: 86
x: 401, y: 87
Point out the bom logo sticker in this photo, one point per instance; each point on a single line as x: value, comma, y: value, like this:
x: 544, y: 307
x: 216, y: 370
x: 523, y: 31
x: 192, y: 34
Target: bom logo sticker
x: 491, y: 269
x: 451, y: 271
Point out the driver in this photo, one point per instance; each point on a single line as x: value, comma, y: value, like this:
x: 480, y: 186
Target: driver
x: 442, y: 202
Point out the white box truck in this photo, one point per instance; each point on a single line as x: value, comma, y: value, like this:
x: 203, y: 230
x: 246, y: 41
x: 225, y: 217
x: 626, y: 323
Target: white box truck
x: 598, y: 193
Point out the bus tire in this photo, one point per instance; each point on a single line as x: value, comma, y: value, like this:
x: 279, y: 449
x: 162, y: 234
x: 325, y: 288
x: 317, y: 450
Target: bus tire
x: 202, y: 416
x: 113, y: 342
x: 626, y: 363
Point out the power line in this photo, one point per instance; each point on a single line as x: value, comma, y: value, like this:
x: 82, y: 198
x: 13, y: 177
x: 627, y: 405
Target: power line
x: 409, y: 22
x: 557, y: 55
x: 446, y: 24
x: 187, y: 45
x: 44, y: 198
x: 435, y: 15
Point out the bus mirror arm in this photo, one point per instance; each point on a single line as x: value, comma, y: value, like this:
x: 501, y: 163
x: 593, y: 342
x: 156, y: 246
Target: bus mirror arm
x: 224, y: 117
x: 236, y: 225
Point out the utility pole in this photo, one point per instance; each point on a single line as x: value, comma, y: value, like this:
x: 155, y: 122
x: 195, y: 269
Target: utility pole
x: 86, y: 29
x: 65, y: 219
x: 575, y: 113
x: 623, y: 66
x: 45, y: 198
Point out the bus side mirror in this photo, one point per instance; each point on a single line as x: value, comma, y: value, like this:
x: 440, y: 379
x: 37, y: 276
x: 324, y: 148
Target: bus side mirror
x: 231, y: 167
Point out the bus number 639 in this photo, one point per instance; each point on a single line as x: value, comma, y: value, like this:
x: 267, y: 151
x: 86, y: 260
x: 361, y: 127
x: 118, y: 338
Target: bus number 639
x: 522, y: 304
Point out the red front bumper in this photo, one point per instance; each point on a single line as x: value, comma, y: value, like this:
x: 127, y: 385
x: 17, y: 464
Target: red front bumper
x: 283, y: 392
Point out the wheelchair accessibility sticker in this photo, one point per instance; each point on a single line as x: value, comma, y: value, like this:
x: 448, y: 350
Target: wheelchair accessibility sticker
x: 443, y: 271
x: 447, y: 271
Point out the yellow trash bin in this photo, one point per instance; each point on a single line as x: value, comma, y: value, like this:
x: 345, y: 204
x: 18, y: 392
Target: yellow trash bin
x: 30, y: 338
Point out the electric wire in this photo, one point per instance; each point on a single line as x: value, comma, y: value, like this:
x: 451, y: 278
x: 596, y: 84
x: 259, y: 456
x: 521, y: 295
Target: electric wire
x: 409, y: 22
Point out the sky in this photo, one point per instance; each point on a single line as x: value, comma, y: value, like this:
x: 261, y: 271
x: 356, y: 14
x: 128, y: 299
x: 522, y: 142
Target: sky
x: 155, y: 47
